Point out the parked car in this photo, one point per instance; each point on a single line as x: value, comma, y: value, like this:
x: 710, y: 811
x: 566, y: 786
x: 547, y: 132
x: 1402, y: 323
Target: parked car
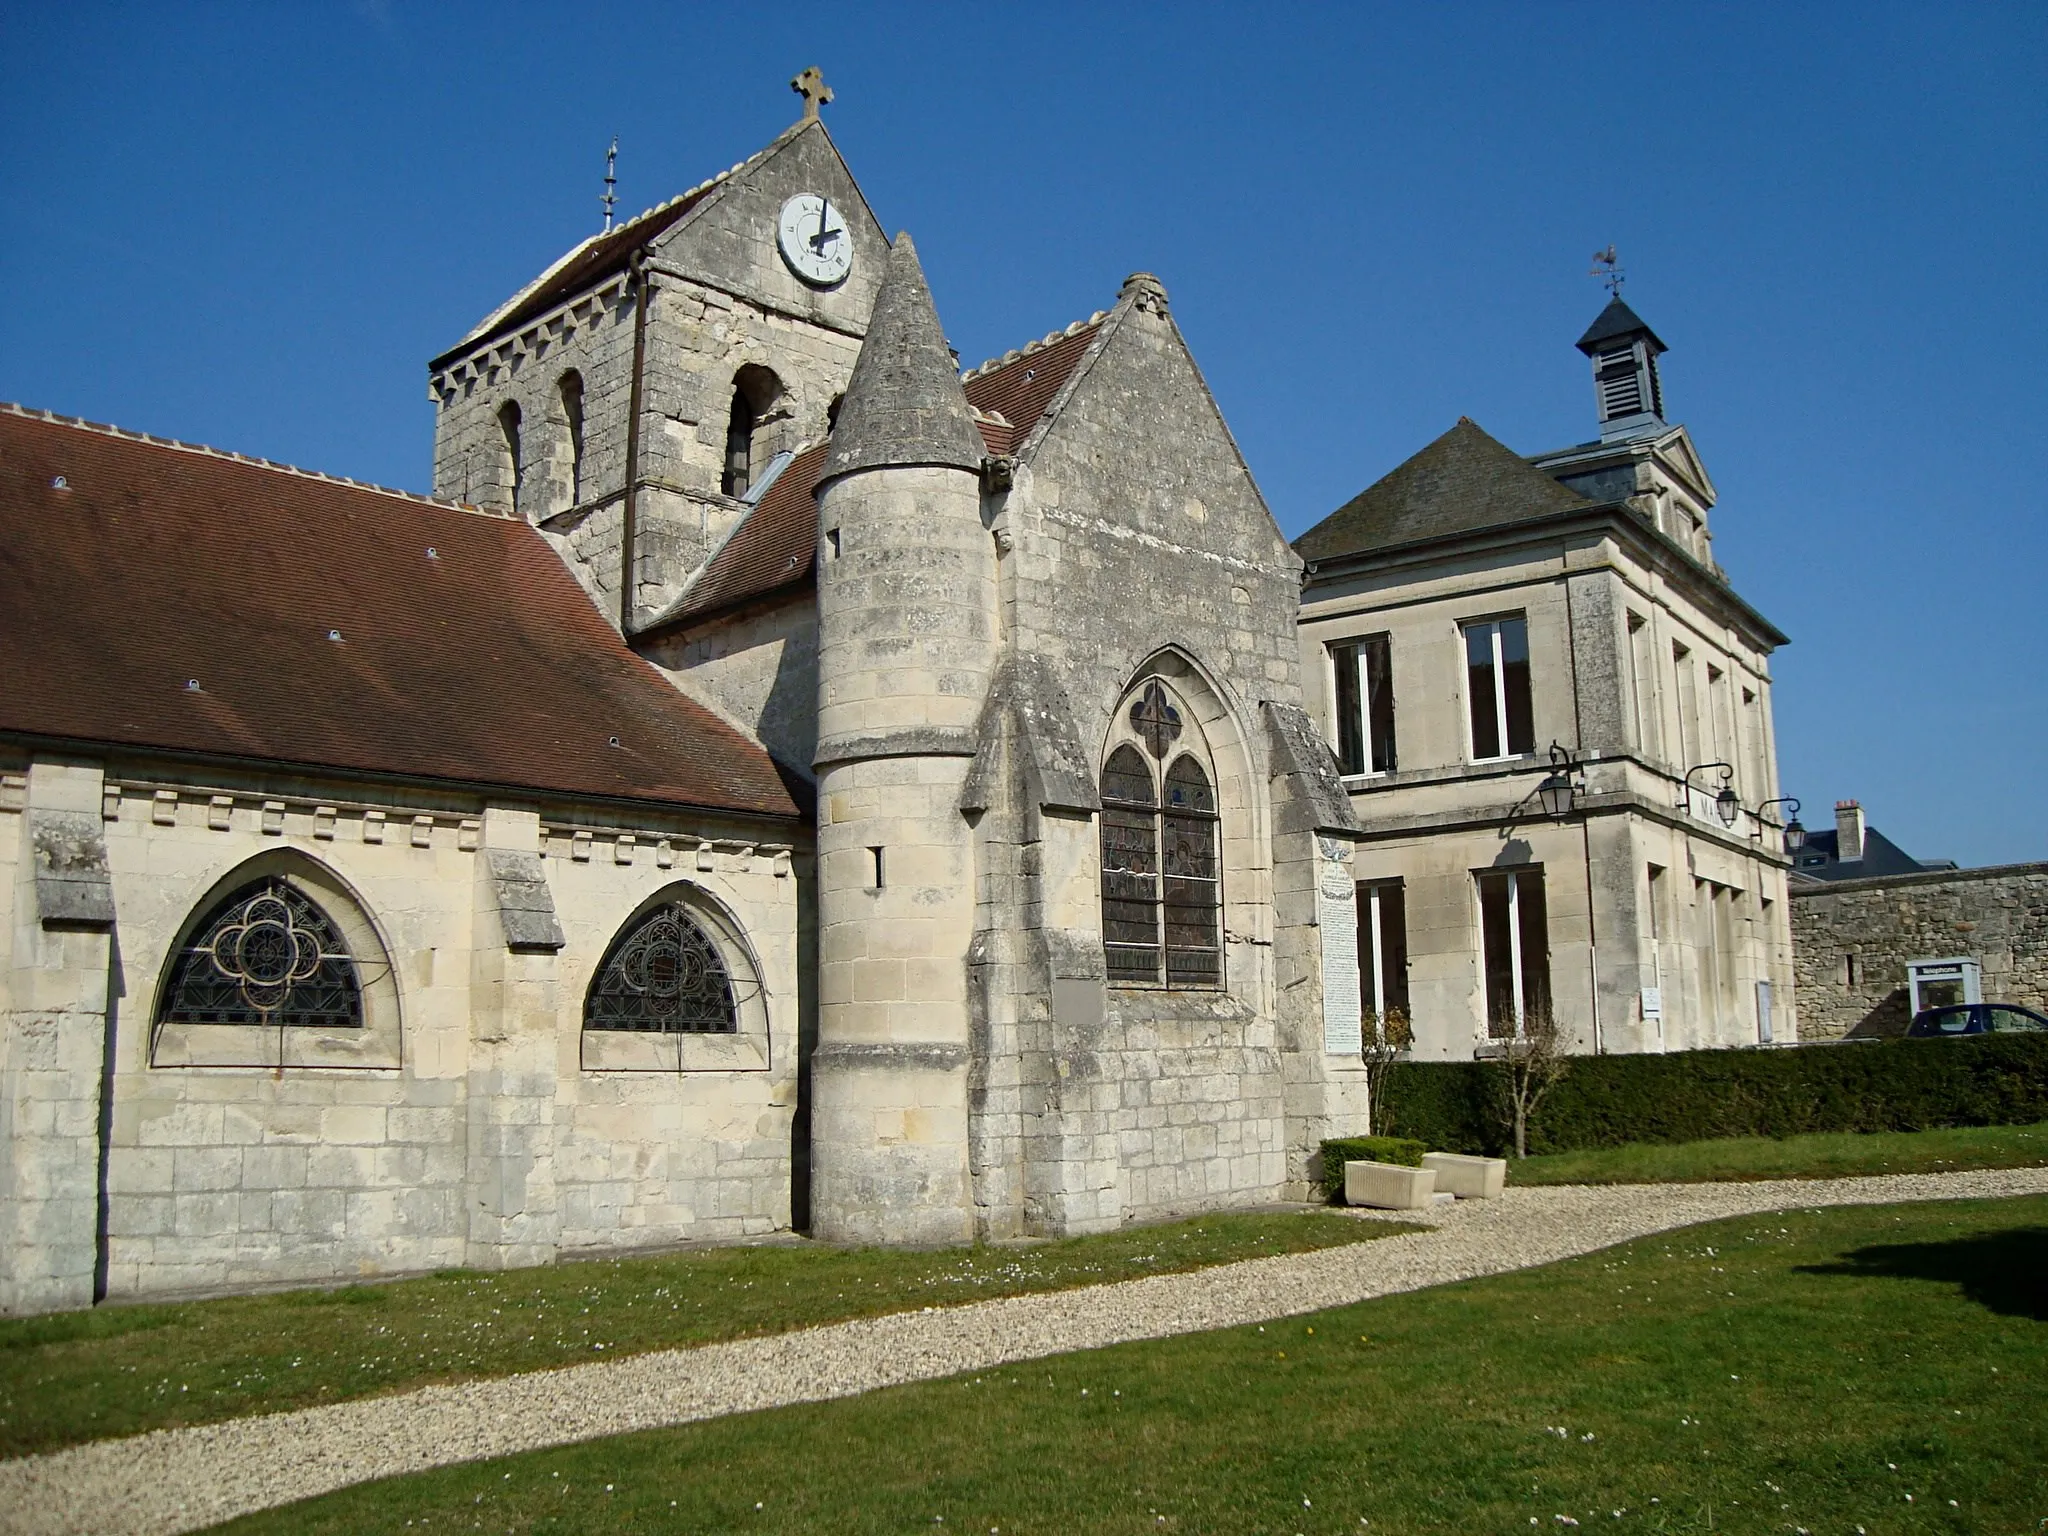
x: 1974, y: 1019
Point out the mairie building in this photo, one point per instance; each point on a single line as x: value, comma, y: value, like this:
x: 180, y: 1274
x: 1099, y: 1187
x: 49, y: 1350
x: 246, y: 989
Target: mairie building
x: 1552, y: 713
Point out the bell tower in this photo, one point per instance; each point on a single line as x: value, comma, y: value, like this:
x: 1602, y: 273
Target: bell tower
x: 907, y: 646
x: 1625, y: 383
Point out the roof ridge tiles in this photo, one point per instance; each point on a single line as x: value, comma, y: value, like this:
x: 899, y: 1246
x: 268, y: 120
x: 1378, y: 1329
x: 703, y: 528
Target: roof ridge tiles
x: 1015, y: 354
x: 110, y: 429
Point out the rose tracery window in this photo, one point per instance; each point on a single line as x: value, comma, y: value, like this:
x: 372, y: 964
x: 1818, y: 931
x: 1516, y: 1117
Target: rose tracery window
x: 265, y: 955
x: 663, y: 976
x: 1161, y: 869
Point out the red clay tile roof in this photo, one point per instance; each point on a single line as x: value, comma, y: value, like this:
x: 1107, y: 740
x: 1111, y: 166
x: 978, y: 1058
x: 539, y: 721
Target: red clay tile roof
x: 775, y: 546
x: 1022, y: 388
x: 461, y: 648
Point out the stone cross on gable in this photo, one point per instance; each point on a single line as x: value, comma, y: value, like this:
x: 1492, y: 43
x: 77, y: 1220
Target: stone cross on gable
x: 812, y: 87
x: 1157, y: 721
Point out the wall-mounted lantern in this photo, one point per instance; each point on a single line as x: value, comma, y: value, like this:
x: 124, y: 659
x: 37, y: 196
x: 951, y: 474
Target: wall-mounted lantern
x: 1794, y: 833
x: 1559, y: 791
x: 1727, y: 804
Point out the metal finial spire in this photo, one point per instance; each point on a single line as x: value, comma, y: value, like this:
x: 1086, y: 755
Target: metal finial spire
x: 1607, y: 267
x: 611, y: 181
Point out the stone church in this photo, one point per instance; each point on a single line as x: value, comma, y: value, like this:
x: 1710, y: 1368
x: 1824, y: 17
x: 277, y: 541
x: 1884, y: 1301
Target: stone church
x: 777, y: 780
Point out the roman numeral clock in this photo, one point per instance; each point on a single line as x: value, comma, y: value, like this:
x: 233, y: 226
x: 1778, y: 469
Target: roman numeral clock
x: 814, y: 240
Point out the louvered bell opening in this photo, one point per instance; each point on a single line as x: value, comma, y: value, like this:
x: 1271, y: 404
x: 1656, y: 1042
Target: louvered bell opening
x: 1620, y: 384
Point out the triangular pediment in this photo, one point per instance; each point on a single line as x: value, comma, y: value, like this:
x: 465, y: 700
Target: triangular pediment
x: 1681, y: 459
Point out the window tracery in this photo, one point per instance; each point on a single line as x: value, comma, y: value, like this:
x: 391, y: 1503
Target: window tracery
x: 266, y: 955
x: 663, y: 976
x: 1161, y: 857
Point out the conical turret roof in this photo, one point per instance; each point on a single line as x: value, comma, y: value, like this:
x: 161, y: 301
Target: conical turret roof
x: 905, y: 404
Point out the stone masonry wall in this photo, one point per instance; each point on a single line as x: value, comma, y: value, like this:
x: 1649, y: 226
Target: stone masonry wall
x: 1998, y: 916
x: 468, y: 1121
x: 719, y: 300
x: 1135, y: 541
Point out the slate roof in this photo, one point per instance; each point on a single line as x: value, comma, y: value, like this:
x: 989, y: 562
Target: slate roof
x: 462, y: 650
x: 1616, y: 320
x: 1463, y: 482
x: 582, y: 268
x: 774, y: 548
x: 1820, y: 858
x: 599, y: 257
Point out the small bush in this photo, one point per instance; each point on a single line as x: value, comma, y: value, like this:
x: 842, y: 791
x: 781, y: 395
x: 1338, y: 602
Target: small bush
x: 1365, y: 1149
x: 1611, y: 1101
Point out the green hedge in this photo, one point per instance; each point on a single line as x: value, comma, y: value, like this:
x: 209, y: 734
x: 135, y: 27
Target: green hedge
x: 1364, y: 1149
x: 1608, y: 1101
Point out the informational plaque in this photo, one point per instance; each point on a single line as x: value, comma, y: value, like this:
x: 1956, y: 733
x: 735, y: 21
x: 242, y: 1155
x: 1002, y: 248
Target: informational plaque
x: 1337, y: 913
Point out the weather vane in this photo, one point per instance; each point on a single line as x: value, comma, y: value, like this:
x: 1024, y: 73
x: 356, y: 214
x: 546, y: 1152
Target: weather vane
x: 1607, y: 267
x: 611, y: 181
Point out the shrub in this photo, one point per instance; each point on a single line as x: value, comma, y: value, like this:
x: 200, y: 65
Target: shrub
x: 1365, y: 1149
x: 1610, y: 1101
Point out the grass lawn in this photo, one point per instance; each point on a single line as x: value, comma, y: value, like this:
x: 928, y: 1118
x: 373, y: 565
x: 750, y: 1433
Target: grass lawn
x: 1875, y: 1369
x: 1794, y: 1157
x: 118, y: 1370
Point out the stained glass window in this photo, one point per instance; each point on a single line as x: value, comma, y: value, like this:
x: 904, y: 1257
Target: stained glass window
x: 665, y: 976
x: 1193, y: 875
x: 1161, y: 869
x: 265, y: 955
x: 1130, y: 868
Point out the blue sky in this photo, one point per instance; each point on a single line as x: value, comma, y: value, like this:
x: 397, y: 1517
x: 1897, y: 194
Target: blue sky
x: 252, y: 225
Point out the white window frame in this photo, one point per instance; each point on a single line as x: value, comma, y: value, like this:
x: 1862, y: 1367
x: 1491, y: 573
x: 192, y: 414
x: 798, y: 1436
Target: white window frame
x: 1518, y: 977
x: 1500, y: 685
x: 1364, y: 683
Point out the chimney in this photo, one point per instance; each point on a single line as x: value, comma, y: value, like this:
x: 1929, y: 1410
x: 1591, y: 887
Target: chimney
x: 1848, y: 831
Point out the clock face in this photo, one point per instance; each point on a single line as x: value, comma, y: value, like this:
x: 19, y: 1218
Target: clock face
x: 815, y: 240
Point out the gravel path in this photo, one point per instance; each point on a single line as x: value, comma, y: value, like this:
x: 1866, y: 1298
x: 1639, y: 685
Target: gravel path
x: 185, y: 1479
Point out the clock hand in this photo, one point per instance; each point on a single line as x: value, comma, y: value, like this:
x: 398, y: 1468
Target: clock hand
x: 824, y: 217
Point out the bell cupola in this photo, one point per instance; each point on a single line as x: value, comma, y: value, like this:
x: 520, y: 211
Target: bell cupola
x: 1625, y: 383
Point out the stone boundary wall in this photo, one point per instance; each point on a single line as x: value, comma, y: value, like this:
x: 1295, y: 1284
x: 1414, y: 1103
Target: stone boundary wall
x: 1997, y: 915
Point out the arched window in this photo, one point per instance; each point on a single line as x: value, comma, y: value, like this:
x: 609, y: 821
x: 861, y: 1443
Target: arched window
x: 663, y: 975
x: 266, y: 955
x: 1162, y: 888
x: 755, y: 393
x: 1194, y: 885
x: 1130, y: 868
x: 739, y: 446
x: 571, y: 396
x: 508, y: 425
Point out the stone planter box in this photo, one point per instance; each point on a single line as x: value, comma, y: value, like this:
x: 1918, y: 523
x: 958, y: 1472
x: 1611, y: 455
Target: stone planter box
x: 1388, y: 1186
x: 1469, y: 1178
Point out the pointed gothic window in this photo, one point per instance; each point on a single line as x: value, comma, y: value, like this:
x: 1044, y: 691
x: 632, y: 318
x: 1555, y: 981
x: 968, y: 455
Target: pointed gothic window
x: 1130, y: 868
x: 267, y: 954
x: 1162, y: 882
x: 663, y: 975
x: 1194, y: 951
